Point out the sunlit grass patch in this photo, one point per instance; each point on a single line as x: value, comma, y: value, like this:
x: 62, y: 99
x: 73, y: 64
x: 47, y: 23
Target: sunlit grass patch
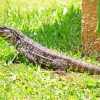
x: 21, y: 81
x: 33, y: 4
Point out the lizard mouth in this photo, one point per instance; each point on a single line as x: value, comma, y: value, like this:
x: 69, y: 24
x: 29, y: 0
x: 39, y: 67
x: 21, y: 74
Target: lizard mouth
x: 1, y: 29
x: 4, y: 29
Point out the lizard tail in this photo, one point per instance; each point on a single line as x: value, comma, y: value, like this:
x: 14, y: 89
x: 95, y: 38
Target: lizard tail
x: 79, y: 66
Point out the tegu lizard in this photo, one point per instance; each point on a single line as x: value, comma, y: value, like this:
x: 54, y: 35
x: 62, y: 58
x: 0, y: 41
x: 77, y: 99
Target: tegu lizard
x: 38, y: 54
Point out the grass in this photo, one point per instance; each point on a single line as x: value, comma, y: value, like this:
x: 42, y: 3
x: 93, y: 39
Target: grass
x: 55, y: 24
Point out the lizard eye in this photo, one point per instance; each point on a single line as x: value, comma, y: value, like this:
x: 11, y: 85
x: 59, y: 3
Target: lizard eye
x: 17, y: 38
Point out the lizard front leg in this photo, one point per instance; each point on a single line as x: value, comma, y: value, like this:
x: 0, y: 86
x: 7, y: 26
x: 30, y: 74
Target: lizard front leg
x: 30, y: 56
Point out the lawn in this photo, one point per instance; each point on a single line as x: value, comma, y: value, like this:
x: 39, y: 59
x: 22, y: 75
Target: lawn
x: 55, y: 24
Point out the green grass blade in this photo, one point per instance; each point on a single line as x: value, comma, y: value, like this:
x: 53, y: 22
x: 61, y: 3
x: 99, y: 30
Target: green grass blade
x: 99, y: 17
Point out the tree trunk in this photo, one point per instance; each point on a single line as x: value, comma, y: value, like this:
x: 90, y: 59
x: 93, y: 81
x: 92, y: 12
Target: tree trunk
x: 90, y: 36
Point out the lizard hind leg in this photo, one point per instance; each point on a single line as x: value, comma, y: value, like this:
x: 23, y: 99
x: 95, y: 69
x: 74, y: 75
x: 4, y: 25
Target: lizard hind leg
x: 60, y: 66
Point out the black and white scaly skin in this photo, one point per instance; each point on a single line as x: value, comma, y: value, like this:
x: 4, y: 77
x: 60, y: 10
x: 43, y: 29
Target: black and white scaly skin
x: 39, y: 54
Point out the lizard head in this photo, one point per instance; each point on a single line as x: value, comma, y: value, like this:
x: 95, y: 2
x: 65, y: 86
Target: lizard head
x: 5, y: 32
x: 9, y: 34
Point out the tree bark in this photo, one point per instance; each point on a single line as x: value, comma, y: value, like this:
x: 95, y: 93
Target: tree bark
x: 90, y: 36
